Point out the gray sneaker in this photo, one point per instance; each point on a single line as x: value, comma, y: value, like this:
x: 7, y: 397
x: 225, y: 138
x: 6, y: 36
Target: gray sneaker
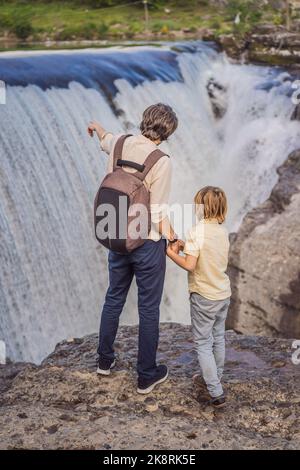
x: 218, y: 402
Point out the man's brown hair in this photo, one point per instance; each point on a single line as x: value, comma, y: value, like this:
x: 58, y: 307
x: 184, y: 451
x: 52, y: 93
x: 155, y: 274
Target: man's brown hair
x: 159, y: 122
x: 214, y: 203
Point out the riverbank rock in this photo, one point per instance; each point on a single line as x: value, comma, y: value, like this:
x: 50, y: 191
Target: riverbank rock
x: 265, y: 261
x: 63, y: 404
x: 267, y: 44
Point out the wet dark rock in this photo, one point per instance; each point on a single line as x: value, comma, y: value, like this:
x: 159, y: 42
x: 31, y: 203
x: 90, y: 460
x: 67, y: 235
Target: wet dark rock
x: 296, y: 113
x: 69, y: 407
x: 217, y: 96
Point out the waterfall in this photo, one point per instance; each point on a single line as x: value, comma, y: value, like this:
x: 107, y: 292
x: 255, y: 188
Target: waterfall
x: 53, y: 273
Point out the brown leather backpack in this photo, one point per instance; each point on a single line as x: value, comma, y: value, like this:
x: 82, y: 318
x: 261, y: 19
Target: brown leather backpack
x: 116, y: 202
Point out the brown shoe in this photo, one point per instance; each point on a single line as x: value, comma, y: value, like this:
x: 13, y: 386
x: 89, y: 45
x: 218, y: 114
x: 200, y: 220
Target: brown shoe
x: 202, y: 392
x: 218, y: 402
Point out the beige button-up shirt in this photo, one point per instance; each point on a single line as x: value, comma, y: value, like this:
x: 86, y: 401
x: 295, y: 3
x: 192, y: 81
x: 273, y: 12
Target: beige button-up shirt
x: 158, y: 180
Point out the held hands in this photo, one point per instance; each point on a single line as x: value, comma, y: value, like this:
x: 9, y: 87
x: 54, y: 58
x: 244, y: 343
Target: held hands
x: 181, y: 244
x: 171, y: 250
x: 175, y: 247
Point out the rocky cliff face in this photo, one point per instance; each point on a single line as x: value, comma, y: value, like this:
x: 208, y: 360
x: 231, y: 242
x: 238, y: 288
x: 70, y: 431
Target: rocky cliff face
x: 63, y: 404
x: 265, y: 261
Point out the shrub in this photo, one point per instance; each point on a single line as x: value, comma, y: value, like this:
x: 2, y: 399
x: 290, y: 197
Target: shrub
x: 237, y: 6
x: 5, y: 21
x: 163, y: 27
x: 215, y: 24
x: 136, y: 27
x: 278, y: 20
x: 87, y: 30
x: 103, y: 29
x: 250, y: 13
x: 254, y: 16
x: 157, y: 26
x: 66, y: 34
x: 22, y: 27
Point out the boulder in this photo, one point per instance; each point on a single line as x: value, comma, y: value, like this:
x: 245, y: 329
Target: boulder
x: 265, y: 261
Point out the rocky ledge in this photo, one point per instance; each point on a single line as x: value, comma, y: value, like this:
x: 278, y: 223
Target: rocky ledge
x: 266, y: 44
x: 264, y: 261
x: 63, y: 404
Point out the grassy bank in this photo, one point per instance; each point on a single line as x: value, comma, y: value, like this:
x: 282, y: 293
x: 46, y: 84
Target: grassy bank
x: 72, y: 20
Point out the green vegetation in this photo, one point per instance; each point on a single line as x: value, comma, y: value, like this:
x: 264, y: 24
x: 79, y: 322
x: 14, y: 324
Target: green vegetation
x: 38, y: 20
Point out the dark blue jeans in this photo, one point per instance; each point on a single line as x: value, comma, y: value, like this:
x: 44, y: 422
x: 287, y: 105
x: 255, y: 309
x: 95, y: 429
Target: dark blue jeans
x: 148, y: 264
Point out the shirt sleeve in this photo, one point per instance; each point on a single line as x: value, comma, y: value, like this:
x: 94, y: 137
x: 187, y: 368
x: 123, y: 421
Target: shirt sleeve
x: 194, y: 241
x: 107, y: 142
x: 160, y: 188
x: 107, y: 145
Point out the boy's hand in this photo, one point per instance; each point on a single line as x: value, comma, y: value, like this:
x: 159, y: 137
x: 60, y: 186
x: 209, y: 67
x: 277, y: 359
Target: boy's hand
x: 169, y: 250
x: 180, y: 244
x: 174, y: 247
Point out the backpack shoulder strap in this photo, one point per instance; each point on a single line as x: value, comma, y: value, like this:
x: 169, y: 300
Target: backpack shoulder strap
x: 118, y: 149
x: 149, y: 163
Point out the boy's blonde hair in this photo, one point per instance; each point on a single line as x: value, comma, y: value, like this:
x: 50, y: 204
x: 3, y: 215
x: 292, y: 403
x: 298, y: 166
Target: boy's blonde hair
x: 213, y: 201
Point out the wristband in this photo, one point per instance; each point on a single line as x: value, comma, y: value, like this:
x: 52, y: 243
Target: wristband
x: 173, y: 241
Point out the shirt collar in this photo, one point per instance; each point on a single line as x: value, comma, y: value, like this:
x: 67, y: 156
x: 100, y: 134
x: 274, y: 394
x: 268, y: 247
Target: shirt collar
x: 209, y: 221
x: 142, y: 138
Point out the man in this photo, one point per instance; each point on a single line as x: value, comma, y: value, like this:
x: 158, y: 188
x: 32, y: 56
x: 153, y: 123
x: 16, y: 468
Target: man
x: 148, y: 262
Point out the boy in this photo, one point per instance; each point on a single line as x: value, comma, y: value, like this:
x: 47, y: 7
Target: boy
x: 206, y: 258
x: 147, y: 263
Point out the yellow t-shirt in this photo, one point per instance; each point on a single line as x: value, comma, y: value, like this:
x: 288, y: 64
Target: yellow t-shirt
x: 208, y: 241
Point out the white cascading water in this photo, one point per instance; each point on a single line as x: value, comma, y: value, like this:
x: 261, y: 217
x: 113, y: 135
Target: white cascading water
x: 53, y: 274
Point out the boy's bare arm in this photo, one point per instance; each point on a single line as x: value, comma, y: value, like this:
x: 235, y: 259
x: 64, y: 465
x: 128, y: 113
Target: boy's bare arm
x: 186, y: 262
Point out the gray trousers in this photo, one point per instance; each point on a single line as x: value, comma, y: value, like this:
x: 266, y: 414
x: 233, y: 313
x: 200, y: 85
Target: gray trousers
x: 208, y: 326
